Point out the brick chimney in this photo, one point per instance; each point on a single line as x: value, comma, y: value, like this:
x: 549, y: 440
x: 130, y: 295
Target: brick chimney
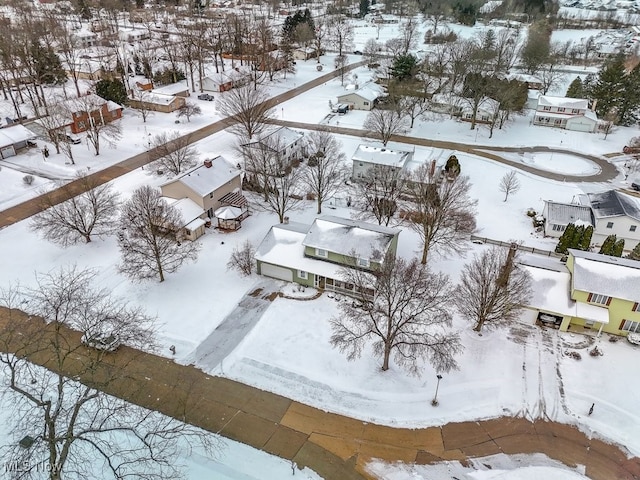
x: 208, y: 163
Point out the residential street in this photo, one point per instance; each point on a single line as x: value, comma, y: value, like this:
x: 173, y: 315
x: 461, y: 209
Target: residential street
x: 334, y: 446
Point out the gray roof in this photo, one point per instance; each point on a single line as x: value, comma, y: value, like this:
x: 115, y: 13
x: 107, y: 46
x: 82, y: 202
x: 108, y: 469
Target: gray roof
x: 605, y: 275
x: 346, y: 237
x: 613, y: 203
x: 279, y: 136
x: 566, y: 213
x: 203, y: 180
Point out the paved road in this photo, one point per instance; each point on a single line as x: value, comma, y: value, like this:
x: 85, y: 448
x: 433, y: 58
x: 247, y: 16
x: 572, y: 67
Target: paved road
x: 607, y: 171
x: 30, y: 207
x: 336, y: 447
x: 235, y: 326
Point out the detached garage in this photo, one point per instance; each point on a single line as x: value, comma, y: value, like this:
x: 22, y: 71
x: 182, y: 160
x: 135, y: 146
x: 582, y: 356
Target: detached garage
x: 274, y: 271
x: 13, y: 139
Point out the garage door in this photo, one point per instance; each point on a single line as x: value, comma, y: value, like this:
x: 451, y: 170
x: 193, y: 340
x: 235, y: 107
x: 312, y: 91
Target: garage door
x: 579, y: 126
x: 274, y: 271
x: 7, y: 152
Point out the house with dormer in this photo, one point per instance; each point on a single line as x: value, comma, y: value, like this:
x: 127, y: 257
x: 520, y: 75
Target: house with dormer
x: 564, y: 112
x: 315, y: 255
x: 616, y: 213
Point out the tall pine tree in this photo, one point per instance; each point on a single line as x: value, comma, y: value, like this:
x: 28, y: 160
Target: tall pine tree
x: 635, y: 253
x: 564, y: 243
x: 610, y: 86
x: 608, y: 245
x: 585, y: 243
x: 618, y: 248
x: 576, y: 89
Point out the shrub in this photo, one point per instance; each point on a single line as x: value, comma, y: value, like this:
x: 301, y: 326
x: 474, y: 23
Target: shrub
x: 28, y: 179
x: 242, y: 259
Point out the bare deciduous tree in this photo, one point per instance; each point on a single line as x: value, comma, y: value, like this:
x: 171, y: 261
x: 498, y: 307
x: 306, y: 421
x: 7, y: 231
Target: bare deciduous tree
x: 247, y: 109
x: 242, y: 259
x: 85, y: 215
x: 340, y: 64
x: 98, y: 128
x: 341, y: 33
x: 325, y: 172
x: 55, y: 123
x: 279, y: 180
x: 79, y: 431
x: 493, y: 288
x: 189, y: 110
x: 385, y: 123
x: 440, y: 212
x: 174, y: 152
x: 376, y: 196
x: 402, y: 307
x: 150, y: 237
x: 509, y: 183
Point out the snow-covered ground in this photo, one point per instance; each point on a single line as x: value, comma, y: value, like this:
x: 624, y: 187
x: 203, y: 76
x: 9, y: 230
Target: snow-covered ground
x: 491, y: 381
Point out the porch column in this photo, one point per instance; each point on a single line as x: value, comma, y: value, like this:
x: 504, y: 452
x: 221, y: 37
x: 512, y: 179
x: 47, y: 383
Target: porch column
x: 600, y: 330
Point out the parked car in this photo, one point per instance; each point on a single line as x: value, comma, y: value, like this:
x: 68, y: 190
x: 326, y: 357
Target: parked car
x: 108, y: 342
x: 634, y: 338
x: 205, y: 96
x: 357, y: 52
x: 69, y: 138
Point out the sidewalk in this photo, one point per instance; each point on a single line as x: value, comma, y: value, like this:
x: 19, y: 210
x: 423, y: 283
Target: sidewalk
x: 334, y: 446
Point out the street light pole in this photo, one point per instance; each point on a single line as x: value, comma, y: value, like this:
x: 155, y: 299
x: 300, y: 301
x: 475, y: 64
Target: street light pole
x: 434, y: 402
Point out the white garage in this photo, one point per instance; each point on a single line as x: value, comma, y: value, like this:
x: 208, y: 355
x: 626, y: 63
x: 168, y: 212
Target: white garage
x: 274, y: 271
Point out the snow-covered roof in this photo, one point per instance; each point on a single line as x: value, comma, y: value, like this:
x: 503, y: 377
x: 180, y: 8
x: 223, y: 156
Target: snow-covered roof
x: 381, y: 155
x: 369, y: 91
x: 156, y: 98
x: 550, y: 290
x: 228, y: 213
x: 566, y: 213
x: 15, y: 134
x: 282, y: 137
x: 523, y: 77
x: 189, y: 210
x: 172, y: 89
x: 348, y: 237
x: 283, y: 246
x: 605, y: 275
x: 203, y: 180
x: 90, y: 102
x: 566, y: 102
x: 613, y: 204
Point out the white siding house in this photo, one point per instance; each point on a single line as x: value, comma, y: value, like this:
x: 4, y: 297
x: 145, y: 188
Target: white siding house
x: 568, y: 113
x: 614, y: 213
x: 367, y: 157
x: 364, y: 98
x: 558, y: 215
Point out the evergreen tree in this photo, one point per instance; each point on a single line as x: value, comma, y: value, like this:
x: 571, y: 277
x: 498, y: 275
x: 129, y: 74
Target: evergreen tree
x: 576, y: 89
x: 113, y: 90
x: 452, y: 166
x: 628, y: 104
x: 404, y: 67
x: 564, y: 243
x: 578, y: 234
x: 364, y: 8
x: 48, y: 68
x: 608, y: 245
x: 618, y: 248
x: 585, y: 243
x: 635, y: 253
x: 83, y: 9
x: 610, y: 86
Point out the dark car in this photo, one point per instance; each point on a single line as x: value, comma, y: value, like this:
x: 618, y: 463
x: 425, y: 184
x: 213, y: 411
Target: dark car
x: 357, y: 52
x: 205, y: 96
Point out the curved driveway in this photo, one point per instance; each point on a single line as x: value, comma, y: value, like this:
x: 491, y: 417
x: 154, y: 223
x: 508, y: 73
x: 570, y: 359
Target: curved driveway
x: 607, y: 171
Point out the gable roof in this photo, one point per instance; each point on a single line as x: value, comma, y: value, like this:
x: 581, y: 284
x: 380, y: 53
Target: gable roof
x: 566, y: 213
x: 369, y: 91
x: 611, y: 276
x: 188, y: 209
x: 381, y: 155
x: 204, y: 180
x: 566, y: 102
x: 90, y: 102
x: 15, y: 134
x: 282, y: 136
x: 613, y: 204
x: 348, y: 237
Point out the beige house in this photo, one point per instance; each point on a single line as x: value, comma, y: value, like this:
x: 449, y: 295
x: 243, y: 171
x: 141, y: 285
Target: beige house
x: 157, y: 102
x: 363, y: 98
x: 210, y: 185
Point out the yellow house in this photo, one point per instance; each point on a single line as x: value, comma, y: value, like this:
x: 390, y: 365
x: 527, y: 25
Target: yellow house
x: 608, y: 291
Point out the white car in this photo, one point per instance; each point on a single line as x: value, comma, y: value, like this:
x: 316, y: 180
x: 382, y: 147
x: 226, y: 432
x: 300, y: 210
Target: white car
x: 634, y: 338
x: 102, y: 341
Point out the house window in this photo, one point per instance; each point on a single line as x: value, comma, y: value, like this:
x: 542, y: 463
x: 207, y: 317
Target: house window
x: 560, y: 109
x: 575, y: 110
x: 321, y: 253
x: 557, y: 121
x: 609, y: 224
x: 360, y: 164
x: 597, y: 298
x: 559, y: 228
x: 365, y: 103
x: 364, y: 262
x: 484, y: 118
x: 82, y: 125
x: 629, y: 326
x: 302, y: 274
x: 546, y: 109
x: 632, y: 228
x: 636, y: 307
x: 187, y: 232
x: 211, y: 195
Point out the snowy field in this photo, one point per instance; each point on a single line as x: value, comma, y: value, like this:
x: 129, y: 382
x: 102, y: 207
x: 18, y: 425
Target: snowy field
x: 492, y: 380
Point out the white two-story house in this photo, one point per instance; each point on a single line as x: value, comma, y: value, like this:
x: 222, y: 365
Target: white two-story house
x: 614, y: 213
x: 568, y: 113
